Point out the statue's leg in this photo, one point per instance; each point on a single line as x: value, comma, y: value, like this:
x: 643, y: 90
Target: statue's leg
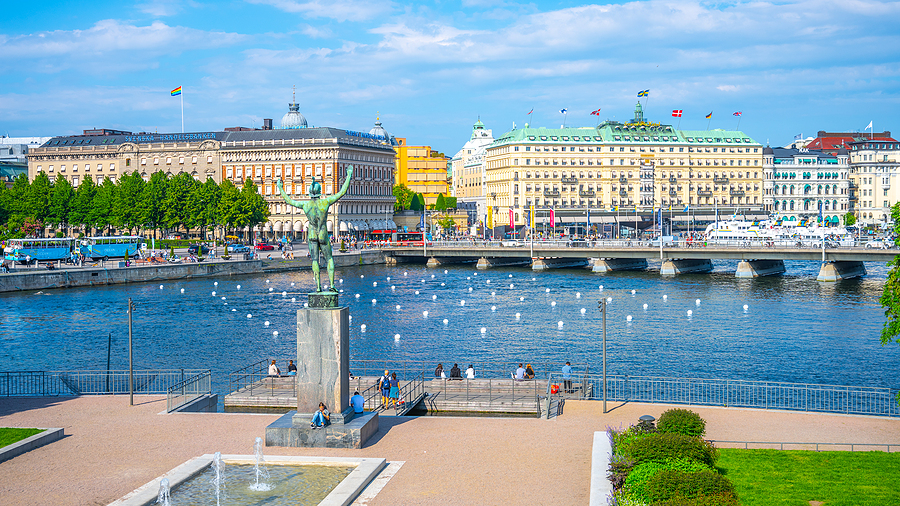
x: 314, y: 255
x: 329, y: 263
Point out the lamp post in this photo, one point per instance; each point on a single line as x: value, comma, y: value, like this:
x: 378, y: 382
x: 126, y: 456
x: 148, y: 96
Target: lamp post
x: 602, y: 305
x: 130, y: 356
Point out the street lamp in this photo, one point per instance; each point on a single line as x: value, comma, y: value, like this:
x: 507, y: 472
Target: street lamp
x: 130, y: 356
x: 602, y: 305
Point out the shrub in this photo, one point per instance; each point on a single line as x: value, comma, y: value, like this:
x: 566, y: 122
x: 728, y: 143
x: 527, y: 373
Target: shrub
x: 671, y: 485
x: 662, y: 446
x: 710, y: 500
x: 640, y: 474
x: 619, y: 469
x: 623, y: 441
x: 682, y: 421
x: 622, y: 498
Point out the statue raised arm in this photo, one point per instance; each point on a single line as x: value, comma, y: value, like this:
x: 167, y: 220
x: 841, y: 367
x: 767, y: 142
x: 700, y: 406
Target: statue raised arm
x: 316, y: 210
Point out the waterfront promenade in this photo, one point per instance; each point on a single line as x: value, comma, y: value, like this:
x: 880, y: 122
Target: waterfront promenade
x: 111, y: 448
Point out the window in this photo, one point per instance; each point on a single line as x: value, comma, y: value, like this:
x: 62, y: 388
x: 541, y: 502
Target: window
x: 143, y: 161
x: 128, y: 162
x: 209, y: 159
x: 168, y: 160
x: 194, y: 160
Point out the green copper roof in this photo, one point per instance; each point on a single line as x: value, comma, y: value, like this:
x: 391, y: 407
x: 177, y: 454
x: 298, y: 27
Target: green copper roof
x: 549, y: 136
x: 717, y: 136
x: 626, y: 133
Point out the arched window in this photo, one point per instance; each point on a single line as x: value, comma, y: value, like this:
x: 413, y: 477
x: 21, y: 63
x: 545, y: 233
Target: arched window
x: 792, y: 202
x: 792, y: 192
x: 806, y: 205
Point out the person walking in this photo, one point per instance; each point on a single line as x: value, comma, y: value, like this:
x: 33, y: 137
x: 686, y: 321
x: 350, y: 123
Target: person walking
x: 395, y: 390
x: 567, y: 377
x: 384, y: 383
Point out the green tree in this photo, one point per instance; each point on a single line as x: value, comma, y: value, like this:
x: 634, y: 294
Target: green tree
x: 4, y: 203
x: 127, y: 209
x: 82, y: 205
x: 849, y: 219
x: 447, y: 224
x: 150, y: 205
x: 17, y: 195
x: 37, y: 197
x: 229, y: 206
x: 102, y: 213
x: 403, y: 196
x: 204, y: 204
x: 450, y: 203
x: 180, y: 191
x: 440, y: 204
x: 61, y: 199
x: 890, y: 296
x: 254, y: 206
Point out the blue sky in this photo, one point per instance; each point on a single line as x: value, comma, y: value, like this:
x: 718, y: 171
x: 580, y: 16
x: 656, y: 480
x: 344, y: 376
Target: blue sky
x: 431, y: 68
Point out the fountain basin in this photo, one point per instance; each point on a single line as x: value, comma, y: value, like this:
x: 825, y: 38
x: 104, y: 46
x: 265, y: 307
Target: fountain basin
x: 363, y: 472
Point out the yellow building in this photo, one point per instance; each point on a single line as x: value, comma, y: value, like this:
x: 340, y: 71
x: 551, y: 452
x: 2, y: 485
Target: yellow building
x: 422, y: 170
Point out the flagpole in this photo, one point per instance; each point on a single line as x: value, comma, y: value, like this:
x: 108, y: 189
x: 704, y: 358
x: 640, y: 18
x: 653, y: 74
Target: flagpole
x: 182, y: 110
x: 708, y: 122
x: 739, y: 121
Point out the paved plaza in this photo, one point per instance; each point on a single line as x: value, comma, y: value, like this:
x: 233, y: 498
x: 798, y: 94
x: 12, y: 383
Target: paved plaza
x: 110, y: 448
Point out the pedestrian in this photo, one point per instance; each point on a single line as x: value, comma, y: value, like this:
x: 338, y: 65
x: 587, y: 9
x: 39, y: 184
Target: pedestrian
x: 567, y: 377
x: 273, y: 369
x: 455, y: 372
x: 470, y: 372
x: 395, y: 390
x: 292, y: 369
x: 520, y: 373
x: 439, y: 371
x: 529, y: 372
x: 384, y: 383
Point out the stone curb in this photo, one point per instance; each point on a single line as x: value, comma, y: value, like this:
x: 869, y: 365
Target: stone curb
x: 601, y: 488
x: 26, y: 445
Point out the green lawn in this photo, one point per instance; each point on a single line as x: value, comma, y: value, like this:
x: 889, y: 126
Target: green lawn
x: 793, y: 478
x: 9, y: 436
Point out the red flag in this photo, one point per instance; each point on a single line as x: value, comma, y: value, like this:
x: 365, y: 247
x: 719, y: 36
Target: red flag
x: 529, y: 112
x: 512, y: 224
x: 553, y: 217
x: 676, y: 113
x: 596, y: 113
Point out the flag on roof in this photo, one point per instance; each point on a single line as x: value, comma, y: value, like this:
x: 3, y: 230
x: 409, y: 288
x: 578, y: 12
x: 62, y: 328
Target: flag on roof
x: 676, y: 113
x: 868, y: 127
x: 709, y: 115
x: 563, y: 110
x: 737, y: 113
x: 644, y: 93
x: 595, y: 113
x: 529, y: 112
x: 176, y: 91
x: 798, y: 137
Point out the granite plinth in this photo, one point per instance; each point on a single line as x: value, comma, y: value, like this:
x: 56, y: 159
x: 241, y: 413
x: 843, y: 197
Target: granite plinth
x: 353, y: 434
x: 323, y: 368
x: 322, y: 300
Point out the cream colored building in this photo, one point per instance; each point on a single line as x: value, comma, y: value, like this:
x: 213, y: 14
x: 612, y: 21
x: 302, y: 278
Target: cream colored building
x: 799, y: 182
x: 637, y: 165
x: 874, y: 173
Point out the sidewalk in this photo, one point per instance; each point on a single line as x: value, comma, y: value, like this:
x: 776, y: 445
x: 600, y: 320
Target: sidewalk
x: 111, y: 448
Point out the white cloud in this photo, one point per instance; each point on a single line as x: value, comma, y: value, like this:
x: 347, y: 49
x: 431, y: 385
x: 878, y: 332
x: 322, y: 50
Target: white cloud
x: 340, y: 10
x: 109, y: 42
x: 317, y: 32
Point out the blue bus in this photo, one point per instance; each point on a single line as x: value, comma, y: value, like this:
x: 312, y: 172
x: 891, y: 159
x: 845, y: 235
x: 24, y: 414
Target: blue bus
x: 110, y: 246
x: 56, y: 248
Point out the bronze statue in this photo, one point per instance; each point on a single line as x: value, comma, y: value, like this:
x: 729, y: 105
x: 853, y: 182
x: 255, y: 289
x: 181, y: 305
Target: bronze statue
x: 316, y: 210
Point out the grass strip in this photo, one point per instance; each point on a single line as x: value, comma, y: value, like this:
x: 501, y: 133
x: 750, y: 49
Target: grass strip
x: 10, y: 435
x: 796, y: 477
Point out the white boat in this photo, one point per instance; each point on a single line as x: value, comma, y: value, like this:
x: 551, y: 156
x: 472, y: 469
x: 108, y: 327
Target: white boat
x: 776, y: 232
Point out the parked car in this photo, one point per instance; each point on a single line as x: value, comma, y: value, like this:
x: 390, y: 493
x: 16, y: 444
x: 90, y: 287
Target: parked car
x: 877, y: 244
x: 238, y: 248
x: 198, y: 249
x: 264, y: 246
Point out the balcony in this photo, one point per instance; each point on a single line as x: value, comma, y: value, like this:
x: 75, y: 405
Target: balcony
x: 720, y: 180
x: 704, y: 193
x: 673, y: 180
x: 737, y: 193
x: 623, y: 193
x: 673, y: 193
x: 551, y: 193
x: 623, y: 179
x: 588, y: 193
x: 569, y: 180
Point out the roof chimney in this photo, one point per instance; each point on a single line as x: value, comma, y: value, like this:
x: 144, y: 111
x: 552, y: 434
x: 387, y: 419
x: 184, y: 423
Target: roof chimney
x: 267, y: 123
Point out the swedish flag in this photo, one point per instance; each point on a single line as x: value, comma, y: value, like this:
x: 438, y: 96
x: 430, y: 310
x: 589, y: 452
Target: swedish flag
x: 645, y: 93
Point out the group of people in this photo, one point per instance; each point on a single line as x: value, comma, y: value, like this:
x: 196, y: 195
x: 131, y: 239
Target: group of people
x: 455, y: 372
x: 322, y: 417
x: 275, y: 371
x: 390, y: 389
x: 523, y: 373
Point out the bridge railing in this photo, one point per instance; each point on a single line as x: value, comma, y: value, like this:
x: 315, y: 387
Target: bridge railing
x: 643, y: 243
x: 854, y: 400
x: 62, y: 383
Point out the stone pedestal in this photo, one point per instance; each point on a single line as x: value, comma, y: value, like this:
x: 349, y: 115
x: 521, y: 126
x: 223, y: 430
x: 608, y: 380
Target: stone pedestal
x: 323, y: 361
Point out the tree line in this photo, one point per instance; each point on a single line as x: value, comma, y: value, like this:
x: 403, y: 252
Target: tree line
x: 130, y: 204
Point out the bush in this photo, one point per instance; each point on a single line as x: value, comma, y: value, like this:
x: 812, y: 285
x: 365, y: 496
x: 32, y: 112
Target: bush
x: 682, y: 421
x: 641, y: 474
x: 662, y: 446
x: 619, y: 468
x: 623, y: 441
x: 710, y: 500
x: 668, y: 485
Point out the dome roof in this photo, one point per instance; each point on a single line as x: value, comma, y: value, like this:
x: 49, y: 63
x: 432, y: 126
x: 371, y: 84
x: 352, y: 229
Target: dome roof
x: 768, y: 151
x: 293, y: 118
x: 379, y: 130
x: 843, y: 151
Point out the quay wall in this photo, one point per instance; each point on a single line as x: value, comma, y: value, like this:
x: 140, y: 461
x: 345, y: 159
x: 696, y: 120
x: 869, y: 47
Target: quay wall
x: 40, y: 279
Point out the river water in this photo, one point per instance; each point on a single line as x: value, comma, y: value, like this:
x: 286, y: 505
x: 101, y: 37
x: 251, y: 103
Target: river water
x: 794, y: 329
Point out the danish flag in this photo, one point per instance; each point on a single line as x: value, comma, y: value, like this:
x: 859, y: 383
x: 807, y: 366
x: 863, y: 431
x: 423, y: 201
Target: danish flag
x: 677, y: 113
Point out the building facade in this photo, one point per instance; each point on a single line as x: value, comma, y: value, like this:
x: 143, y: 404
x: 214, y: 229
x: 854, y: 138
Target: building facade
x: 638, y: 165
x: 798, y: 183
x: 468, y: 170
x: 422, y: 170
x: 874, y: 172
x: 295, y: 154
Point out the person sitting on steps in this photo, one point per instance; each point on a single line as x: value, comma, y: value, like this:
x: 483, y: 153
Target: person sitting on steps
x: 321, y: 418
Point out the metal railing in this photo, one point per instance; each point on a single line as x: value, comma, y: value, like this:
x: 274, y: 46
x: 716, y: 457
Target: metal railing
x: 255, y: 380
x: 409, y: 368
x: 871, y: 401
x: 185, y: 392
x: 60, y: 383
x: 717, y: 244
x: 496, y: 389
x: 864, y: 447
x: 410, y: 391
